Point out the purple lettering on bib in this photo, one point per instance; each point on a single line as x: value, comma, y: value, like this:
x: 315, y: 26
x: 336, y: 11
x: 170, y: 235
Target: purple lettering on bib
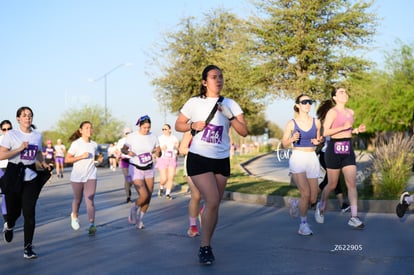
x: 169, y: 154
x: 212, y: 134
x: 342, y: 147
x: 145, y: 158
x: 29, y: 153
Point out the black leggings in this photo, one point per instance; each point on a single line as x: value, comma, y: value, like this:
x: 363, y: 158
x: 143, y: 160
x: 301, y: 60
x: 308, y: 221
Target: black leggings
x: 24, y: 201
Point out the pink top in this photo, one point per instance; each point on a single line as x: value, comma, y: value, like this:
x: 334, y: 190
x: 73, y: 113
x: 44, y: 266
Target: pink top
x: 341, y: 119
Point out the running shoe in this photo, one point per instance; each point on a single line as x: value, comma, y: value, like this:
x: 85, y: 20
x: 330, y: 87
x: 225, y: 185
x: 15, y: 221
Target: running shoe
x: 304, y: 229
x: 92, y: 229
x: 193, y: 231
x: 205, y: 255
x: 402, y: 205
x: 345, y: 207
x: 128, y: 200
x: 29, y: 253
x: 132, y: 218
x: 355, y: 222
x: 319, y: 214
x: 140, y: 225
x: 74, y: 222
x: 168, y: 197
x: 293, y: 204
x: 7, y: 233
x: 160, y: 191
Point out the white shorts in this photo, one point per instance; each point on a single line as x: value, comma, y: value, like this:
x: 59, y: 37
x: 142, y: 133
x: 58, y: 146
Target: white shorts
x: 304, y: 162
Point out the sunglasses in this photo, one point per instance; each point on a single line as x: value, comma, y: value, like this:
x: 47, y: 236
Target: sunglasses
x: 5, y: 129
x: 165, y: 129
x: 306, y: 101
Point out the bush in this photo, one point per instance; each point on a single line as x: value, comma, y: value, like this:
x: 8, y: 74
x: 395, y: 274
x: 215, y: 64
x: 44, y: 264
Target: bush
x: 392, y: 162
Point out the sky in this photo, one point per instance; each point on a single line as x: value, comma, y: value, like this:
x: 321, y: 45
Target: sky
x: 51, y: 50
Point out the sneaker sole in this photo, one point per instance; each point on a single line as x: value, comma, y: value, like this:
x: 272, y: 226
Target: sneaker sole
x: 303, y: 234
x: 361, y: 226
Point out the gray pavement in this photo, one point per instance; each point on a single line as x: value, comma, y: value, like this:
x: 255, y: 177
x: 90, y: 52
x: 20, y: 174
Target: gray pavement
x: 249, y: 239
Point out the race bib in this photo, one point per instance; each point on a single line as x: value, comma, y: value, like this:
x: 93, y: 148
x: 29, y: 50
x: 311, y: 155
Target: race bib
x: 145, y: 158
x: 169, y: 154
x: 29, y: 153
x: 342, y: 147
x: 212, y: 134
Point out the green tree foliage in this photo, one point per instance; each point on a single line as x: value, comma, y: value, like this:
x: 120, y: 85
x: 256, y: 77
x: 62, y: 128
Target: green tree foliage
x: 306, y: 46
x: 221, y: 39
x: 385, y: 99
x: 103, y: 132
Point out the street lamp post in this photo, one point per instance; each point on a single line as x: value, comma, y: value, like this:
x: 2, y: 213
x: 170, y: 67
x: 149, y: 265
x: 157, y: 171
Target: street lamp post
x: 105, y: 78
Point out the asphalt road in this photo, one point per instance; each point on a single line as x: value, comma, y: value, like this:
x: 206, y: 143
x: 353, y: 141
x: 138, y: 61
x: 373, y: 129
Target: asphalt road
x: 249, y: 239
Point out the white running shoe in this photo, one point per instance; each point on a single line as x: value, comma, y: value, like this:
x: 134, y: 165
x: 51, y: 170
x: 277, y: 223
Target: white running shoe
x: 293, y: 204
x: 355, y: 222
x: 74, y: 222
x: 318, y: 214
x: 304, y: 229
x: 132, y: 218
x: 140, y: 225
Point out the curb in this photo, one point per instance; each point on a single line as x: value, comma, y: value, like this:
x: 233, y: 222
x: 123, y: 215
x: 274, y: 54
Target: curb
x: 373, y: 206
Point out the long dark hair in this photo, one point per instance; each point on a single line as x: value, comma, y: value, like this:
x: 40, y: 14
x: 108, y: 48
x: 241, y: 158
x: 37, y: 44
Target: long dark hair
x: 203, y: 89
x: 327, y: 104
x: 77, y: 134
x: 21, y: 110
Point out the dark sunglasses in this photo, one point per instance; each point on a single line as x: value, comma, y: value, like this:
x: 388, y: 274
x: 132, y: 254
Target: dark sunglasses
x: 5, y: 129
x: 306, y: 101
x: 165, y: 129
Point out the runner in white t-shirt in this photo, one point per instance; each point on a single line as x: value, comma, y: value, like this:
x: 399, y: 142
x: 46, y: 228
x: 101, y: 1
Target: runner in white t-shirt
x: 23, y: 146
x: 82, y: 153
x: 141, y: 146
x: 167, y: 163
x: 208, y: 159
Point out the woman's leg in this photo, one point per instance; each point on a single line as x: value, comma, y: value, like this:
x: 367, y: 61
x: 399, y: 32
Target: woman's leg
x: 30, y: 194
x: 170, y: 180
x: 77, y: 188
x: 212, y: 189
x: 89, y: 191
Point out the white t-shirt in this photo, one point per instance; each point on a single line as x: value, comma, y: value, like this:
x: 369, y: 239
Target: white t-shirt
x: 171, y: 142
x: 3, y: 163
x: 14, y: 138
x: 120, y: 144
x: 83, y: 169
x: 142, y: 146
x: 214, y: 140
x: 60, y: 150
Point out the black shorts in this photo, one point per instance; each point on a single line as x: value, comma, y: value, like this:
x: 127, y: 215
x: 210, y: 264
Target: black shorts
x: 197, y: 165
x: 337, y: 161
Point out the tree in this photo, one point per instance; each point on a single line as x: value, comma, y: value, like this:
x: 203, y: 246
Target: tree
x: 386, y: 98
x: 306, y: 46
x: 102, y: 132
x: 221, y: 39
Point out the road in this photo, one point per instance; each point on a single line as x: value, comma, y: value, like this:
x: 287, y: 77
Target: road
x: 250, y: 239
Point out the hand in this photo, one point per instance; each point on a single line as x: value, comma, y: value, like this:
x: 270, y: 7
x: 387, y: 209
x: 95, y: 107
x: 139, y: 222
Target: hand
x: 225, y: 111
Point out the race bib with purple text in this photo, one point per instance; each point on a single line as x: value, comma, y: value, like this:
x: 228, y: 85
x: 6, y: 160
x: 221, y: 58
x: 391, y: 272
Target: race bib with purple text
x: 29, y: 153
x: 212, y: 134
x: 342, y: 147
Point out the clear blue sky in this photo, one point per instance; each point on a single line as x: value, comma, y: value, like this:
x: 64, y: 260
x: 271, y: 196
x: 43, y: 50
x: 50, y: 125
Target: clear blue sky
x: 50, y: 49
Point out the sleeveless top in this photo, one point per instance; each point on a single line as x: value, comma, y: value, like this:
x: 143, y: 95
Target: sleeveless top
x: 305, y: 136
x: 341, y: 119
